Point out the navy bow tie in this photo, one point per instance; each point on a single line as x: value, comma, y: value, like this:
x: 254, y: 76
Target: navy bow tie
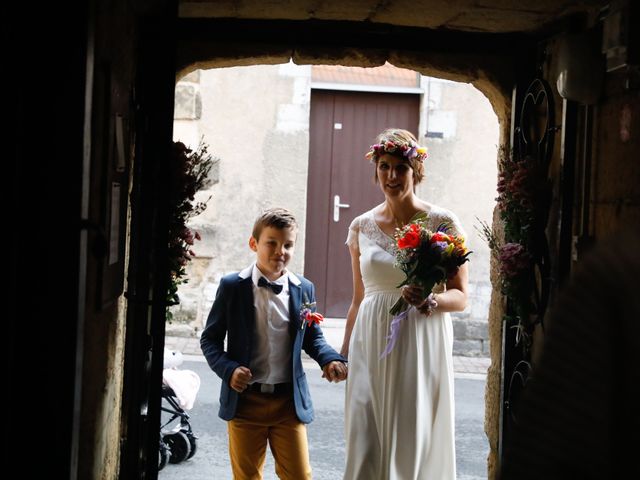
x: 263, y: 282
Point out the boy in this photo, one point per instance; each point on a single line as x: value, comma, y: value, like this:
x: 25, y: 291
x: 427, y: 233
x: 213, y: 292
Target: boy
x: 264, y: 394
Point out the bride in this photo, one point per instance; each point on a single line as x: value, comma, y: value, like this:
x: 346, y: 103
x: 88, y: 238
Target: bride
x: 399, y: 413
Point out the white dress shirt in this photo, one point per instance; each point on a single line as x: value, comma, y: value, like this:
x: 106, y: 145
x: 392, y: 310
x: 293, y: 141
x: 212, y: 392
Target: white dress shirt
x: 271, y: 356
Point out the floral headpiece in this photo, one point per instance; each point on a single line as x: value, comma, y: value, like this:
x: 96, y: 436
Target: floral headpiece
x: 407, y: 150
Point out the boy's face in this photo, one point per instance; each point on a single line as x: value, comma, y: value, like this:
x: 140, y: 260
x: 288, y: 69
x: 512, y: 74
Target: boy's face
x: 273, y: 250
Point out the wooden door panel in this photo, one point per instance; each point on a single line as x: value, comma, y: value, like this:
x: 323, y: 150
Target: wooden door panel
x: 361, y: 117
x: 318, y: 191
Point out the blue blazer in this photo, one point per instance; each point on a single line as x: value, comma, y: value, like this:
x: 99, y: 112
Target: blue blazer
x: 233, y: 315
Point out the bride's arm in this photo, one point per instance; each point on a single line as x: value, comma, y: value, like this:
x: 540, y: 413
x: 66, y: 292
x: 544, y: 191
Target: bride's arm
x: 454, y: 299
x: 358, y: 294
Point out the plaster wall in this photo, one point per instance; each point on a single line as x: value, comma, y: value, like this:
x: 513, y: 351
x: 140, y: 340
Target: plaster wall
x: 461, y: 175
x: 256, y: 119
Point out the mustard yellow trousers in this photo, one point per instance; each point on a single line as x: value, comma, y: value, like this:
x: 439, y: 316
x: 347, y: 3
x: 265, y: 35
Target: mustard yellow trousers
x: 268, y: 418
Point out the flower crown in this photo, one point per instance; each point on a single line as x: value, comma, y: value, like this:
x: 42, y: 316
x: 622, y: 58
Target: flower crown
x: 408, y: 150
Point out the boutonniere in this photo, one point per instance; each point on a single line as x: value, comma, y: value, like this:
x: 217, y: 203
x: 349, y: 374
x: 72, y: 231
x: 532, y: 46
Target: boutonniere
x: 308, y: 315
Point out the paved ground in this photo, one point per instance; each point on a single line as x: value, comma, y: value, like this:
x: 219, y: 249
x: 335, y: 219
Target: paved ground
x: 325, y: 433
x: 326, y: 440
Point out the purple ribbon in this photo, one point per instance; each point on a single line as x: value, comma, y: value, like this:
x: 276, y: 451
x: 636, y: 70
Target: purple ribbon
x: 395, y: 331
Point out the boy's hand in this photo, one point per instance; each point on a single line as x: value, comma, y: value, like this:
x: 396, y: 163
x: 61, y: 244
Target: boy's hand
x: 334, y: 371
x: 240, y: 379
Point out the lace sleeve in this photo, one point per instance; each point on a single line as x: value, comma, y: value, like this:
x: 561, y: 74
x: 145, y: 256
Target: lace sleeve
x: 352, y: 235
x: 450, y: 219
x: 454, y: 224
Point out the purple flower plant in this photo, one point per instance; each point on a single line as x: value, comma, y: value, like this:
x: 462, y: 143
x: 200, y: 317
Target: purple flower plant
x: 514, y: 260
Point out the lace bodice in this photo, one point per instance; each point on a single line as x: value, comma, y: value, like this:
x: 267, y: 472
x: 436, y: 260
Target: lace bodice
x: 366, y: 224
x: 377, y: 248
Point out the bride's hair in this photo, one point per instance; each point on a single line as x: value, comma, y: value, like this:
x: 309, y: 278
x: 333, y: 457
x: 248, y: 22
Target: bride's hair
x: 401, y: 144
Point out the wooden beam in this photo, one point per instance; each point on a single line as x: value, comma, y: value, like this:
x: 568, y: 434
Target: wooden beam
x: 347, y: 34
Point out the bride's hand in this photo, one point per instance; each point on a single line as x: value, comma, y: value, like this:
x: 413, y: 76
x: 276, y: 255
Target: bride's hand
x: 429, y: 305
x: 412, y: 295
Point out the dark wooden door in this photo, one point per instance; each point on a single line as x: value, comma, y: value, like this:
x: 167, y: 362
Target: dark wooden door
x: 343, y: 126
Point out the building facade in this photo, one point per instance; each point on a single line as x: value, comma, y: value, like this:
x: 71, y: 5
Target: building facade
x: 260, y: 132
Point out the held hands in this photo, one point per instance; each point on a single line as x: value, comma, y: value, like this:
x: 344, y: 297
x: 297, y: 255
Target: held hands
x: 334, y: 371
x: 240, y: 379
x: 413, y: 296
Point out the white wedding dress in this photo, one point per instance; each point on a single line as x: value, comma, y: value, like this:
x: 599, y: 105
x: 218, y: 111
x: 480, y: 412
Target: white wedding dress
x: 399, y: 411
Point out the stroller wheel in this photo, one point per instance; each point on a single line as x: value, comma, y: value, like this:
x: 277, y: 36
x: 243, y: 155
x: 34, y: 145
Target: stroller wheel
x: 163, y: 455
x: 192, y: 443
x: 179, y: 445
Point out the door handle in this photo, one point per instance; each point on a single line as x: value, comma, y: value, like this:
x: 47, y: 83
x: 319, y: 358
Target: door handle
x: 337, y: 206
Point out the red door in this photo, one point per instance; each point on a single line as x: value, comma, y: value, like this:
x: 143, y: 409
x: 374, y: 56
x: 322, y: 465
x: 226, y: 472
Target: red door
x: 343, y: 126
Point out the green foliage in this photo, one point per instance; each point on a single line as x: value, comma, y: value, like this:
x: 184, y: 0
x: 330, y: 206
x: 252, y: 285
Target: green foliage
x: 189, y: 174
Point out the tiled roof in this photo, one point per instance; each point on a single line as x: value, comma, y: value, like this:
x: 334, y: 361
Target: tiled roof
x: 386, y: 75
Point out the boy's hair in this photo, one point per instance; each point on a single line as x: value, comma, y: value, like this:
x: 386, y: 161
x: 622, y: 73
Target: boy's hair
x: 276, y: 217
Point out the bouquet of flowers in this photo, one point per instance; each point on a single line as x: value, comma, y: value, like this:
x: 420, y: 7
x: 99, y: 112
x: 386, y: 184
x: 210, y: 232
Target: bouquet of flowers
x: 428, y: 259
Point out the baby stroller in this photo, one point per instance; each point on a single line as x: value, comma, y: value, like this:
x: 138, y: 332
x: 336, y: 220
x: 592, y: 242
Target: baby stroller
x: 179, y: 390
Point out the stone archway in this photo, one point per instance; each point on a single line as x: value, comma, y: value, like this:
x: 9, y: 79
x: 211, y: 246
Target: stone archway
x: 492, y: 75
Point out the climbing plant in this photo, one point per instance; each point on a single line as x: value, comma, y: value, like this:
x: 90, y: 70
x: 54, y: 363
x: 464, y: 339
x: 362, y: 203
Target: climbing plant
x: 190, y: 171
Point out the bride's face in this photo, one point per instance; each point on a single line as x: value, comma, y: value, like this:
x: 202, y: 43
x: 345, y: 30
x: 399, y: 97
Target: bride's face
x: 395, y: 176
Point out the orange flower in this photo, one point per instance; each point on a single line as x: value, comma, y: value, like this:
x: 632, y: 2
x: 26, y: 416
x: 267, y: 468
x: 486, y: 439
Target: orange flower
x: 313, y: 317
x: 308, y: 315
x: 440, y: 237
